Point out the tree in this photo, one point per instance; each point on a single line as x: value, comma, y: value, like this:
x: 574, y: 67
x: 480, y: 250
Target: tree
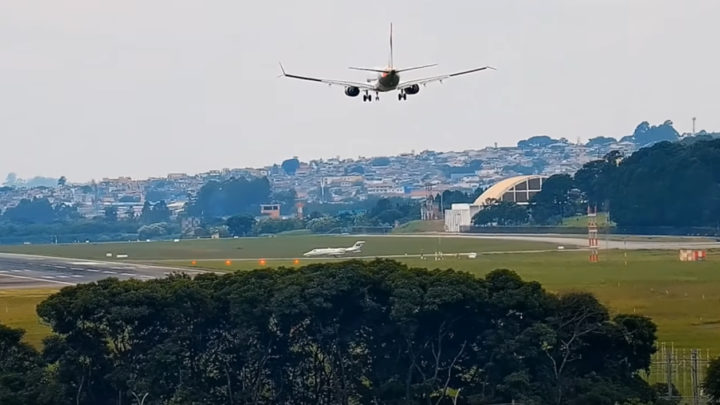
x: 340, y: 333
x: 555, y: 200
x: 111, y: 214
x: 240, y: 225
x: 286, y: 199
x: 536, y: 142
x: 21, y: 373
x: 161, y: 212
x: 668, y: 184
x: 62, y: 181
x: 152, y: 230
x: 290, y: 166
x: 11, y: 179
x: 35, y: 211
x: 712, y: 381
x: 501, y: 213
x: 600, y: 141
x: 230, y: 197
x: 323, y: 224
x: 595, y: 179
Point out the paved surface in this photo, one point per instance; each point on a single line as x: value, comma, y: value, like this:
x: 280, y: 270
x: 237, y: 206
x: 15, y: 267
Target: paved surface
x: 23, y: 271
x: 580, y: 241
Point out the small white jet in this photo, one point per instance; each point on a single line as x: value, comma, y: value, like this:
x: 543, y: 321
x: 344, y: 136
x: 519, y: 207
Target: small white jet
x: 337, y: 252
x: 388, y: 79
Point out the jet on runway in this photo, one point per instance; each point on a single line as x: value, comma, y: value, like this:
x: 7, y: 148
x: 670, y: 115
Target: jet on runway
x: 337, y: 252
x: 388, y: 79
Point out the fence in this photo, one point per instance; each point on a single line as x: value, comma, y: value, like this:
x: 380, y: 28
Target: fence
x: 683, y: 368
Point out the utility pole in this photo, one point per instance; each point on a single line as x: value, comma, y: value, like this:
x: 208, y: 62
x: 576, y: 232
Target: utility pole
x: 669, y: 375
x: 694, y: 376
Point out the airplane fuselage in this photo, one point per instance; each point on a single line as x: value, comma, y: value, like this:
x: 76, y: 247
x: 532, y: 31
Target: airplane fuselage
x: 387, y: 80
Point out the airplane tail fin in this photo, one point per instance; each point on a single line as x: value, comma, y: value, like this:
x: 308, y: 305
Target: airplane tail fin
x: 391, y: 48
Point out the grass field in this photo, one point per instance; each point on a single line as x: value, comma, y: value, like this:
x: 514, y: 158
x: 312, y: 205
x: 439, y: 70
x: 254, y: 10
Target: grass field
x: 272, y: 247
x: 17, y: 310
x: 601, y: 220
x: 682, y: 298
x: 420, y: 226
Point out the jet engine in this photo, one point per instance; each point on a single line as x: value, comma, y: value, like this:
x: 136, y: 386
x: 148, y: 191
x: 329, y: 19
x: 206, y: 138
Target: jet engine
x: 414, y: 89
x: 352, y: 91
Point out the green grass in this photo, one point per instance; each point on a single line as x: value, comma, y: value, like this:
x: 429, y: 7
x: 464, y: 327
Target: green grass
x: 420, y: 227
x: 271, y: 247
x: 681, y: 297
x: 582, y: 221
x: 17, y: 310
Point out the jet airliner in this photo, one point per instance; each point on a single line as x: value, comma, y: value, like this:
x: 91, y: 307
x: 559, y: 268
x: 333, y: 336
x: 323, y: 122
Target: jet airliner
x: 337, y: 252
x: 388, y: 79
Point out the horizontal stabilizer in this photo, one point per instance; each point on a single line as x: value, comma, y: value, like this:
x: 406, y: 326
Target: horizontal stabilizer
x: 415, y: 68
x: 368, y: 69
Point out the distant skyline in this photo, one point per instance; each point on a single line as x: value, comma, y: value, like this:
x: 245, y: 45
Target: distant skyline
x: 96, y: 89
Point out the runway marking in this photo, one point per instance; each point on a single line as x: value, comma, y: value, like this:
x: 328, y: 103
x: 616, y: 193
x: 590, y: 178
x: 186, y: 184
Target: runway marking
x: 78, y: 268
x: 93, y: 270
x: 127, y: 274
x: 38, y: 279
x: 109, y: 272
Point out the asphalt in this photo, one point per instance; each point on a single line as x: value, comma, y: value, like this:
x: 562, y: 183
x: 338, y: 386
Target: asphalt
x: 24, y: 271
x: 658, y: 242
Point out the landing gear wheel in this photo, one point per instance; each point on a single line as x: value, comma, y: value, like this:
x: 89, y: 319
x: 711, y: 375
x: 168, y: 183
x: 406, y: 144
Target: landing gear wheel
x: 400, y: 96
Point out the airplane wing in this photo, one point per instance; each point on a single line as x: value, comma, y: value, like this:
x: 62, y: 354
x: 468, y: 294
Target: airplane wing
x: 365, y: 86
x: 427, y: 80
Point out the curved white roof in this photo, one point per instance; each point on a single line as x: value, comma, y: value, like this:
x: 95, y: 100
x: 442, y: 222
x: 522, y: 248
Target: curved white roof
x: 497, y: 190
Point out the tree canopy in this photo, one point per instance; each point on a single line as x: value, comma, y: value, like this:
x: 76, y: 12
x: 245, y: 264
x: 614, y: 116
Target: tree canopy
x: 501, y: 213
x: 230, y: 197
x: 667, y: 184
x: 337, y: 333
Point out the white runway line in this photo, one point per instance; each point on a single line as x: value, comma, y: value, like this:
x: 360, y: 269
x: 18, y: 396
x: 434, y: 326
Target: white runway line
x: 37, y: 279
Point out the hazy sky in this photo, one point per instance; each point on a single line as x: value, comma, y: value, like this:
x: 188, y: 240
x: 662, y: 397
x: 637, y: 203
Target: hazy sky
x: 92, y: 89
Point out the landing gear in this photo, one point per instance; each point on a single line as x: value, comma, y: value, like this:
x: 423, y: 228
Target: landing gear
x: 377, y: 96
x: 402, y: 96
x: 367, y: 97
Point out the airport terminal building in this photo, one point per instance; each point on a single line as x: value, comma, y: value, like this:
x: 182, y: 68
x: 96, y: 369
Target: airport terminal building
x: 519, y: 189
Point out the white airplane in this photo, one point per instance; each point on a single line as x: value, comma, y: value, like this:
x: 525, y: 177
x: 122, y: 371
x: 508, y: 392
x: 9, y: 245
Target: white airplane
x: 388, y: 79
x: 336, y: 251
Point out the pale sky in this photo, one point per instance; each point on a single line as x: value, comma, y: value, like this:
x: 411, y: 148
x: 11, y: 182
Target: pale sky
x: 92, y: 89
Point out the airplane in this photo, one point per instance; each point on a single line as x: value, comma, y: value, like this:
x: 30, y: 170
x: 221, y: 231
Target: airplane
x: 388, y: 79
x: 337, y: 252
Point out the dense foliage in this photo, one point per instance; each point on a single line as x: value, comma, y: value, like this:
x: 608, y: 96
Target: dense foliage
x: 712, y: 381
x: 668, y: 184
x: 230, y: 197
x: 342, y: 333
x: 501, y: 213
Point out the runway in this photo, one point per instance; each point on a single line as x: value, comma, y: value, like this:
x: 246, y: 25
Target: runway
x: 658, y: 242
x: 24, y: 271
